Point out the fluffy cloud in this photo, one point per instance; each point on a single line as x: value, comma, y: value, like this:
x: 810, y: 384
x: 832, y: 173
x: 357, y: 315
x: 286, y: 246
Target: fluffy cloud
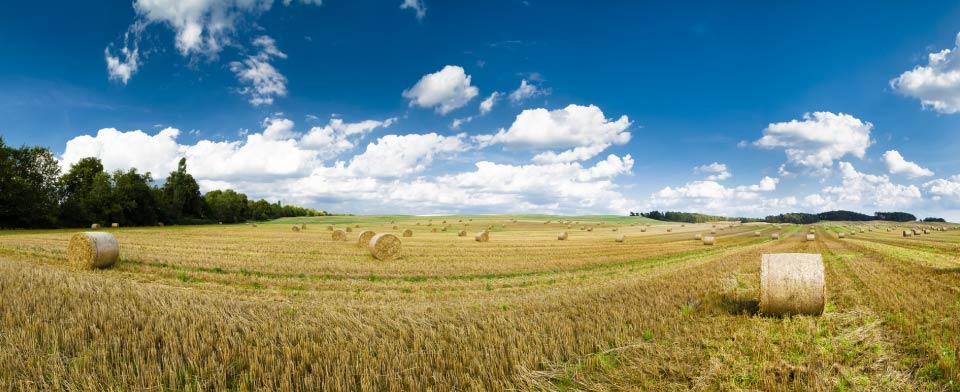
x: 122, y: 69
x: 338, y: 136
x: 278, y: 128
x: 711, y: 197
x: 859, y: 190
x: 401, y: 155
x: 263, y: 81
x: 718, y: 171
x: 819, y: 139
x: 897, y: 165
x: 487, y: 104
x: 446, y: 89
x: 583, y: 129
x: 936, y: 85
x: 526, y: 91
x: 949, y: 187
x: 118, y: 150
x: 457, y: 122
x: 415, y: 5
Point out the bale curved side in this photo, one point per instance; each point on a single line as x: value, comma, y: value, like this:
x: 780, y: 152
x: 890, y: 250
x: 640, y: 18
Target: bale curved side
x: 482, y: 236
x: 90, y: 250
x: 709, y: 240
x: 363, y: 239
x: 562, y: 236
x: 791, y: 284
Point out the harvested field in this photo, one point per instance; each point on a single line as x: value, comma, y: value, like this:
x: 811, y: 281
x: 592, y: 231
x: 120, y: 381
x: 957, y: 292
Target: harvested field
x: 235, y: 307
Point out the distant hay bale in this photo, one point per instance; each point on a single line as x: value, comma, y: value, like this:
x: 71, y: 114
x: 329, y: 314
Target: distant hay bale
x: 756, y: 234
x: 90, y: 250
x: 812, y: 231
x: 433, y: 230
x: 841, y: 235
x: 925, y: 231
x: 620, y: 238
x: 775, y: 236
x: 385, y: 246
x: 329, y: 228
x: 683, y: 225
x: 418, y: 223
x: 444, y: 222
x: 562, y: 236
x: 615, y: 229
x: 589, y: 229
x: 669, y: 230
x: 462, y: 233
x: 363, y: 239
x: 568, y: 227
x: 460, y: 220
x: 643, y: 229
x: 339, y: 235
x: 408, y: 233
x: 395, y: 227
x: 713, y: 232
x: 810, y: 237
x: 95, y: 226
x: 349, y: 230
x: 916, y: 232
x: 114, y: 225
x: 158, y: 224
x: 698, y: 236
x: 443, y: 229
x: 303, y: 226
x: 295, y: 228
x: 709, y: 240
x: 853, y: 233
x: 791, y: 284
x: 356, y: 226
x: 482, y: 236
x: 907, y: 233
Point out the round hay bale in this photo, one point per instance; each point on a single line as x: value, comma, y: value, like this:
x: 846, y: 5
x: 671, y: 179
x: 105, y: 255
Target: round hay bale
x: 756, y: 234
x: 568, y: 227
x: 643, y: 229
x: 295, y: 228
x: 841, y: 235
x: 615, y: 229
x: 589, y: 229
x: 669, y: 230
x: 385, y: 246
x: 89, y: 250
x: 482, y: 236
x: 433, y: 230
x: 709, y: 240
x: 160, y: 224
x: 925, y: 231
x: 775, y: 236
x: 408, y: 233
x: 620, y: 238
x: 418, y: 223
x: 713, y: 232
x: 907, y: 233
x: 810, y: 237
x: 562, y: 236
x: 363, y: 239
x: 791, y: 283
x: 395, y: 227
x: 95, y: 226
x: 339, y: 235
x: 698, y: 236
x: 329, y: 228
x: 853, y: 233
x: 303, y: 226
x: 462, y: 233
x: 443, y: 229
x: 114, y: 225
x: 349, y: 230
x: 811, y: 231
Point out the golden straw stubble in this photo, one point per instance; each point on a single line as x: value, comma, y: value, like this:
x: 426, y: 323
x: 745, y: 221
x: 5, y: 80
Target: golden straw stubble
x: 89, y: 250
x: 385, y: 246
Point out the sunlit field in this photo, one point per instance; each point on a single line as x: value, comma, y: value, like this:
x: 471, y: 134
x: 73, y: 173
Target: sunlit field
x: 261, y: 307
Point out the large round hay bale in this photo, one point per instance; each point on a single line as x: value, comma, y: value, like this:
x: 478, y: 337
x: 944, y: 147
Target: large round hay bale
x: 90, y: 250
x: 339, y: 235
x: 562, y: 236
x: 462, y: 233
x: 95, y: 226
x: 295, y: 228
x: 643, y: 229
x: 841, y: 235
x: 385, y: 246
x: 907, y: 233
x: 775, y: 236
x: 589, y: 229
x: 114, y: 225
x: 791, y: 283
x: 925, y: 231
x: 698, y: 236
x: 408, y: 233
x: 349, y: 230
x: 363, y: 239
x: 620, y: 238
x: 482, y: 236
x: 810, y: 237
x: 709, y: 240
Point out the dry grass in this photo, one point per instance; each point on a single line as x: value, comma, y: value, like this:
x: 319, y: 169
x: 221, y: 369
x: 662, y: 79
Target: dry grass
x: 239, y: 308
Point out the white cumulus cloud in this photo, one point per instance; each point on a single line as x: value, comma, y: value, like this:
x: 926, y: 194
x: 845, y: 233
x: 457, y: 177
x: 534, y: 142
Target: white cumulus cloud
x: 446, y: 90
x: 718, y: 171
x: 584, y: 130
x: 860, y: 191
x: 819, y: 139
x: 896, y: 164
x: 264, y: 82
x: 937, y: 84
x: 526, y: 91
x: 400, y: 155
x: 122, y: 67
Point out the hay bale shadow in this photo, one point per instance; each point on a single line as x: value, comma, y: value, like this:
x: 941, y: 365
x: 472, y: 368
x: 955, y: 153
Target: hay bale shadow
x: 739, y: 305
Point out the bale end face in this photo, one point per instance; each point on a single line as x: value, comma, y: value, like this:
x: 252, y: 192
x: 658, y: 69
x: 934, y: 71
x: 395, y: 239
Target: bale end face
x: 482, y: 236
x: 841, y: 235
x: 562, y: 236
x: 791, y: 284
x: 698, y: 236
x: 91, y: 250
x: 95, y: 226
x: 339, y: 235
x: 385, y: 246
x: 462, y: 233
x: 114, y: 225
x: 620, y: 238
x: 810, y: 237
x: 408, y: 233
x: 363, y: 239
x: 296, y: 229
x: 775, y: 236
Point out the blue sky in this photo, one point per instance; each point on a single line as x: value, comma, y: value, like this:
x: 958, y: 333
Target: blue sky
x: 350, y: 106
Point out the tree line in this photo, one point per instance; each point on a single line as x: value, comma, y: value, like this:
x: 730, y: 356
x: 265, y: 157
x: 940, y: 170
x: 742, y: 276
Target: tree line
x: 841, y: 215
x: 687, y: 217
x: 34, y: 194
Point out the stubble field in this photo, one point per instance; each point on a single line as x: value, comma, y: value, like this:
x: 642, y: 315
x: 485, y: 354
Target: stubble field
x: 244, y: 307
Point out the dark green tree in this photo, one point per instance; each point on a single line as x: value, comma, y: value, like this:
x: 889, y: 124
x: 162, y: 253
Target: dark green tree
x: 29, y: 187
x: 135, y: 198
x: 226, y: 206
x: 182, y: 195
